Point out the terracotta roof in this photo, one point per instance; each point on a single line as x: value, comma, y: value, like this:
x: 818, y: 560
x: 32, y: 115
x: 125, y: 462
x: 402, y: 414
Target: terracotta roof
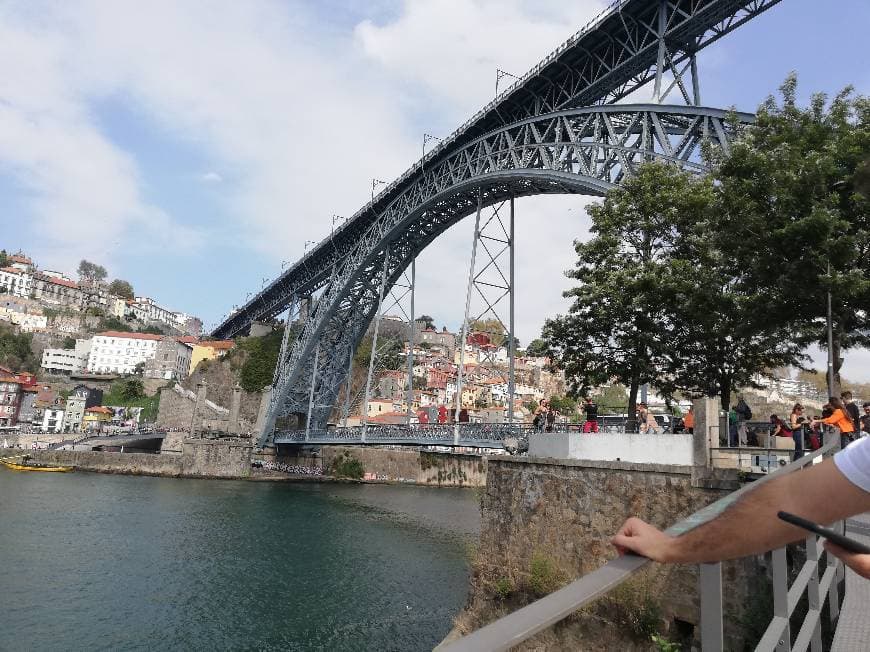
x: 20, y: 258
x: 11, y: 270
x: 99, y: 409
x: 134, y: 336
x: 10, y: 379
x: 187, y: 339
x: 61, y: 281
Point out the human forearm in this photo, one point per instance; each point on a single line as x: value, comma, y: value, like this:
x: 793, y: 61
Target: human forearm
x: 750, y: 526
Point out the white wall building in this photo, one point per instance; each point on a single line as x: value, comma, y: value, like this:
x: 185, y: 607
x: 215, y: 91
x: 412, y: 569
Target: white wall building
x: 52, y: 420
x: 119, y: 353
x: 28, y: 322
x: 67, y: 361
x: 152, y: 311
x: 17, y: 282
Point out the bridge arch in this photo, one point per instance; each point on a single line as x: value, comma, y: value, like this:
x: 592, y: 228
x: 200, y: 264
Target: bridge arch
x: 579, y: 151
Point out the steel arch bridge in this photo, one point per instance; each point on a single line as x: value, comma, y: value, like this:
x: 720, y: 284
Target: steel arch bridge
x: 555, y: 131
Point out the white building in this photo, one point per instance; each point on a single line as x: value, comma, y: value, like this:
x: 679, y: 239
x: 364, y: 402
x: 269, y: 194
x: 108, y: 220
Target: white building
x: 67, y: 361
x: 28, y: 322
x: 119, y: 353
x: 52, y: 420
x: 18, y: 282
x: 150, y: 310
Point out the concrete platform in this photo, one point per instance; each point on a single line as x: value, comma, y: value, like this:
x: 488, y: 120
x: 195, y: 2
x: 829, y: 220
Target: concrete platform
x: 853, y: 627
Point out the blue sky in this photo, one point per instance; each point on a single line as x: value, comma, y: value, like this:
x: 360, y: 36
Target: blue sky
x: 191, y: 147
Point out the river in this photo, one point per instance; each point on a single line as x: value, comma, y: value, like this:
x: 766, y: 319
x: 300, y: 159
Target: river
x: 104, y: 562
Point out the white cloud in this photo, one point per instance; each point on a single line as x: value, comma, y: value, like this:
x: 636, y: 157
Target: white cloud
x: 210, y: 177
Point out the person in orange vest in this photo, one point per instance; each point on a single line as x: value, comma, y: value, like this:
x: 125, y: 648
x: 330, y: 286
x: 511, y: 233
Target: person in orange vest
x: 689, y: 420
x: 841, y: 419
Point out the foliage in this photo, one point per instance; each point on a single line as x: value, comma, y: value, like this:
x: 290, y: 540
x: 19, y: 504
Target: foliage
x: 119, y: 393
x: 537, y: 348
x: 426, y: 321
x: 258, y: 368
x: 503, y: 587
x: 16, y: 352
x: 615, y: 330
x: 121, y: 288
x: 139, y: 369
x: 151, y: 329
x: 132, y: 389
x: 4, y: 258
x: 563, y: 404
x: 795, y: 197
x: 418, y: 383
x: 69, y: 343
x: 544, y: 575
x: 112, y: 323
x: 612, y: 399
x: 390, y: 353
x: 633, y: 607
x: 91, y: 272
x: 94, y: 311
x: 665, y: 645
x: 531, y: 405
x: 348, y: 466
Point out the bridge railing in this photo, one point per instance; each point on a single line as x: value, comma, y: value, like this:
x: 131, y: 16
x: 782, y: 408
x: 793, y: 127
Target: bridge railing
x: 819, y: 581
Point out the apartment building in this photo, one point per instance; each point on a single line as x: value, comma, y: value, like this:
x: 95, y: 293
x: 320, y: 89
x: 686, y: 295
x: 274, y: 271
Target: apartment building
x: 67, y: 361
x: 120, y: 353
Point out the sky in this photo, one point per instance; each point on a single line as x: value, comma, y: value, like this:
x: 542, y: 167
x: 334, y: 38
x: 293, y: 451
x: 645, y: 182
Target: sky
x: 192, y: 147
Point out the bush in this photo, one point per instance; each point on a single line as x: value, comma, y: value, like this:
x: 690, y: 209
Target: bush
x: 544, y: 576
x: 262, y: 356
x: 503, y: 588
x: 347, y: 466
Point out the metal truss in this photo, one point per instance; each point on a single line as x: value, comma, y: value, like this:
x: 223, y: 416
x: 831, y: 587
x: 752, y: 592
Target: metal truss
x: 577, y: 151
x: 631, y: 44
x: 490, y: 286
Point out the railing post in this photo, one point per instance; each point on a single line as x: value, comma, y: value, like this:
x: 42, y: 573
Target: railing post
x: 814, y: 598
x: 780, y: 597
x: 712, y: 634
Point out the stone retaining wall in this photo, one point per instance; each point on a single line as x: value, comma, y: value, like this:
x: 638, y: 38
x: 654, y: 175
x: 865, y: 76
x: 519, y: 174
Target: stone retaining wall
x: 560, y: 515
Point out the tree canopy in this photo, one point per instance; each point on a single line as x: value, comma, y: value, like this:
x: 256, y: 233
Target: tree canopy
x: 697, y: 284
x: 91, y: 272
x: 121, y: 288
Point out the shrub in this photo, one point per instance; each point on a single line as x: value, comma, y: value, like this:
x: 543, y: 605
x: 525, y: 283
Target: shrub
x: 544, y: 576
x: 347, y: 466
x: 503, y: 588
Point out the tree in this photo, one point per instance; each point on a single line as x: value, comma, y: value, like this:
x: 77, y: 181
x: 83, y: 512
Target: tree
x: 16, y: 351
x: 796, y: 197
x: 121, y: 289
x: 537, y: 348
x: 418, y: 383
x: 139, y: 369
x: 132, y: 389
x: 151, y: 329
x: 564, y: 405
x: 4, y: 258
x: 91, y: 273
x: 426, y: 321
x: 258, y: 368
x: 615, y: 330
x: 112, y: 323
x: 69, y: 343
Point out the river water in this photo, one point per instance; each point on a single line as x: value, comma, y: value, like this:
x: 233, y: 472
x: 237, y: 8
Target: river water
x: 103, y: 562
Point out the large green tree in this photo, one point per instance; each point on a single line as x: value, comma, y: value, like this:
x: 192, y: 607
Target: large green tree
x: 91, y: 272
x: 795, y: 198
x: 121, y: 288
x: 615, y: 329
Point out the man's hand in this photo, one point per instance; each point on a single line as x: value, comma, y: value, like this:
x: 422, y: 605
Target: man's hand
x: 641, y: 538
x: 856, y: 561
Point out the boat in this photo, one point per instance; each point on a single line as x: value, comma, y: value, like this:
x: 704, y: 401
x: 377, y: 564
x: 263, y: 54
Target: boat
x: 25, y: 465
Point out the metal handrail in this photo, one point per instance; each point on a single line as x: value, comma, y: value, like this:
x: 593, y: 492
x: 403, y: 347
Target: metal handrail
x: 513, y: 629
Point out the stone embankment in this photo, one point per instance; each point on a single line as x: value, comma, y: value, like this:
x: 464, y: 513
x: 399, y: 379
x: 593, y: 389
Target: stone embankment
x: 233, y: 458
x: 547, y: 522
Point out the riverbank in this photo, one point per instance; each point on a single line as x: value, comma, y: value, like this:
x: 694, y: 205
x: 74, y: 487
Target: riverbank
x: 235, y: 459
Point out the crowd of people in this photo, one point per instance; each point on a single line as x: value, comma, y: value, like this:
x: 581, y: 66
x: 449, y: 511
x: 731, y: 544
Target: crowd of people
x: 293, y: 469
x: 841, y: 412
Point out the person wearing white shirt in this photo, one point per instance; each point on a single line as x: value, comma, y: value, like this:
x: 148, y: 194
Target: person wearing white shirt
x: 830, y: 491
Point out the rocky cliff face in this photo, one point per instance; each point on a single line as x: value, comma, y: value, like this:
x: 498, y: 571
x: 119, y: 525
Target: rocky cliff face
x: 220, y: 376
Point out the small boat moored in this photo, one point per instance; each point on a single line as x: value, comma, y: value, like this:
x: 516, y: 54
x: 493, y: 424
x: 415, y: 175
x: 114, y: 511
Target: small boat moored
x: 24, y: 463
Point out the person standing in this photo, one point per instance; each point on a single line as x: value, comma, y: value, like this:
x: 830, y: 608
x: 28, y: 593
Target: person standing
x: 852, y: 409
x: 796, y: 422
x: 648, y: 423
x: 689, y: 420
x: 551, y: 418
x: 591, y: 423
x: 865, y: 420
x: 841, y: 419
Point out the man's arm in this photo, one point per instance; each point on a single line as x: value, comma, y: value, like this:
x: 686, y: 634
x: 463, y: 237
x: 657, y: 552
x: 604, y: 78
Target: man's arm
x: 821, y: 494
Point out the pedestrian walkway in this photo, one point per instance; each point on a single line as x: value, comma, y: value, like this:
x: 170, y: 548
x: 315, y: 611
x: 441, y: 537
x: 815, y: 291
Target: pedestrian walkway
x: 853, y: 628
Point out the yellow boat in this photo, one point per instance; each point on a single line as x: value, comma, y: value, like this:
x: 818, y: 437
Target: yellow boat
x: 15, y: 466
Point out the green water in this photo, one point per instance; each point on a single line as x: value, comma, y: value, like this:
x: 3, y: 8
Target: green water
x: 100, y: 562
